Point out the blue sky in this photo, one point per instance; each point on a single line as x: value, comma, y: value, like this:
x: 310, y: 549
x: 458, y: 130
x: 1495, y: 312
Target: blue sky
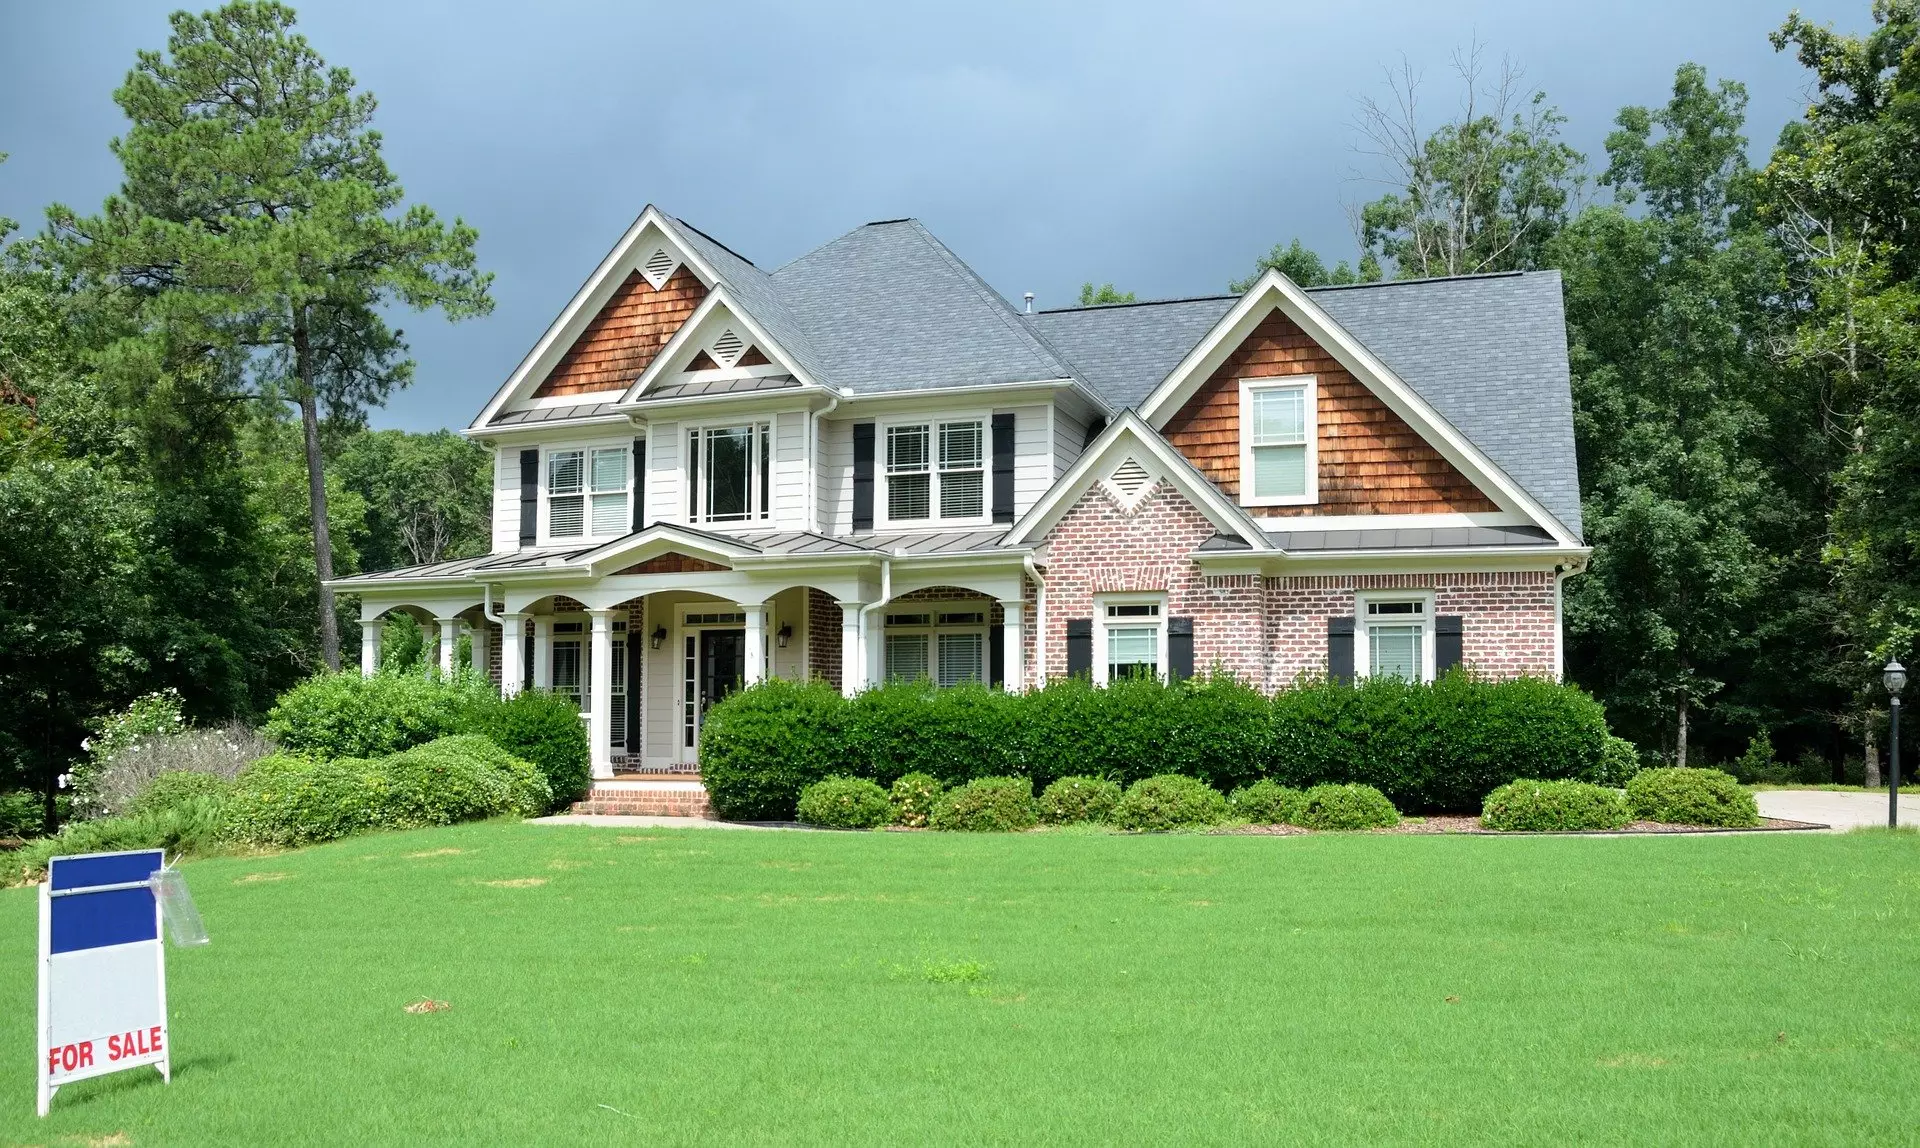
x: 1161, y: 147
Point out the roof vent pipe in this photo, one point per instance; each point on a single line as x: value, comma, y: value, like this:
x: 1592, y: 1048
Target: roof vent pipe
x: 1029, y: 298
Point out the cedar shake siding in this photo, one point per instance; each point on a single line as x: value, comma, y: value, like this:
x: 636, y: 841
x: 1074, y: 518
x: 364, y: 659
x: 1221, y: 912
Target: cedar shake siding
x: 673, y: 562
x: 625, y: 336
x: 1371, y: 461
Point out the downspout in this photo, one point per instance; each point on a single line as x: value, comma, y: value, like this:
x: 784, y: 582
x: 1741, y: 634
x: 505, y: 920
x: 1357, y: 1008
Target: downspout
x: 1039, y: 620
x: 886, y: 592
x: 1560, y: 576
x: 813, y: 468
x: 486, y: 609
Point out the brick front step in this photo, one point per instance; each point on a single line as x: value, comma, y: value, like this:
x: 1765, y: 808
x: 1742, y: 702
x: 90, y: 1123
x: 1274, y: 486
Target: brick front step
x: 676, y: 797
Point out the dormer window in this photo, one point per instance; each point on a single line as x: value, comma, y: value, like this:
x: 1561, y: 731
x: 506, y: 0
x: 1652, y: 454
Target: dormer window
x: 919, y: 480
x: 1278, y: 457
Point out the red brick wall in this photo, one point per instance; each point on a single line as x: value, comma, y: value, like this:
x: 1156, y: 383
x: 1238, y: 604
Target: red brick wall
x: 823, y: 637
x: 1269, y: 630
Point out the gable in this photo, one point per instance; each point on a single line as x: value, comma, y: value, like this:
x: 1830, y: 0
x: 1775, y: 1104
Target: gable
x: 1370, y: 460
x: 626, y: 335
x: 673, y: 562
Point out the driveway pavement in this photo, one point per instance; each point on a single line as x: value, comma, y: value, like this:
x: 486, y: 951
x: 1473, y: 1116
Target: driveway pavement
x: 1842, y: 811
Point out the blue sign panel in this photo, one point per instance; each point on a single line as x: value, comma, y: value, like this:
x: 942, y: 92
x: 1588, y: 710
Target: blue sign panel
x: 95, y: 920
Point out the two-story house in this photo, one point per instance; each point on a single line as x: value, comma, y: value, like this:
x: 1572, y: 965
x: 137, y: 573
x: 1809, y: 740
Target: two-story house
x: 866, y: 464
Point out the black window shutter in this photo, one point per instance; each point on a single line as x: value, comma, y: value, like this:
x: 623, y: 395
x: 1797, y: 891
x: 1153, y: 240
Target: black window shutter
x: 1340, y: 650
x: 636, y: 650
x: 1079, y: 646
x: 639, y: 486
x: 1003, y: 467
x: 529, y: 496
x: 1179, y: 649
x: 863, y: 476
x: 997, y: 655
x: 1447, y: 634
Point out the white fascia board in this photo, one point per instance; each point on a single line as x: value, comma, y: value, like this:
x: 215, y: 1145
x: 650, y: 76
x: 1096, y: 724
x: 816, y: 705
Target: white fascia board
x: 541, y: 431
x: 789, y: 400
x: 1436, y: 560
x: 621, y: 254
x: 716, y: 298
x: 1275, y: 290
x: 694, y: 544
x: 1089, y: 467
x: 1041, y: 390
x: 360, y: 584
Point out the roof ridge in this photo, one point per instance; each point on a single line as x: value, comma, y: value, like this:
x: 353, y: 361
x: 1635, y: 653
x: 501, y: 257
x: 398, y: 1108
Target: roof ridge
x: 1135, y: 303
x: 715, y: 242
x: 1425, y: 279
x: 1008, y: 316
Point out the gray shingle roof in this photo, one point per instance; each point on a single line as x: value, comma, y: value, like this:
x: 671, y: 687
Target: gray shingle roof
x: 889, y: 308
x: 766, y: 304
x: 1124, y: 351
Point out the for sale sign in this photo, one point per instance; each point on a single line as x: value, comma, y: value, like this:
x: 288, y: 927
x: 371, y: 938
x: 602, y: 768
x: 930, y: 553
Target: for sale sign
x: 103, y: 977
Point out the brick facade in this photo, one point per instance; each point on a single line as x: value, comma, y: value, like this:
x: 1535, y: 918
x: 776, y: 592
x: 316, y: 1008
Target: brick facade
x: 1269, y: 630
x: 823, y: 637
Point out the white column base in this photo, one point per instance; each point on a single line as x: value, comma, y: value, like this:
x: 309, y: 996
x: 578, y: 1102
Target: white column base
x: 853, y: 653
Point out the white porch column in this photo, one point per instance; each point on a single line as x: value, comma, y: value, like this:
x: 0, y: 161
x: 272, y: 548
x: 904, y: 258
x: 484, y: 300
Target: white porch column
x: 1013, y: 656
x: 370, y: 645
x: 756, y: 669
x: 600, y: 707
x: 478, y: 636
x: 543, y: 651
x: 513, y: 659
x: 853, y: 654
x: 449, y: 640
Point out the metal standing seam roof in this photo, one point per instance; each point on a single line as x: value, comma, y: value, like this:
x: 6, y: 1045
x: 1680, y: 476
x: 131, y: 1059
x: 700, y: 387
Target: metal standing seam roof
x: 552, y: 414
x: 1403, y: 538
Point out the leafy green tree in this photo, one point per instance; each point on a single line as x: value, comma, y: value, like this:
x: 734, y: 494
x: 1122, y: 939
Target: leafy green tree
x: 428, y: 497
x: 1304, y: 266
x: 1091, y: 296
x: 258, y: 214
x: 1668, y: 331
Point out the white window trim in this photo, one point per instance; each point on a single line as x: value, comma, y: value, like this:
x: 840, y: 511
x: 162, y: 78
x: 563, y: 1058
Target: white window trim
x: 758, y: 516
x: 1362, y: 667
x: 933, y: 629
x: 586, y: 449
x: 1248, y: 387
x: 1100, y: 604
x: 883, y: 521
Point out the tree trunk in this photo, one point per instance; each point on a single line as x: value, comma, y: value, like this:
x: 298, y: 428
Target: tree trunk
x: 49, y: 810
x: 1872, y: 778
x: 1680, y: 738
x: 316, y: 491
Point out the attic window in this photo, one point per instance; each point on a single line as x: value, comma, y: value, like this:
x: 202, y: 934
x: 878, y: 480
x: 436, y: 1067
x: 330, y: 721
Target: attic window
x: 728, y: 348
x: 659, y: 267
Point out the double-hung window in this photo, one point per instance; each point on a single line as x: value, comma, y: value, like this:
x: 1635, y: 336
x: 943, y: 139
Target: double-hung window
x: 1395, y: 638
x: 587, y: 492
x: 1278, y: 457
x: 936, y: 471
x: 730, y: 473
x: 946, y: 647
x: 1132, y: 639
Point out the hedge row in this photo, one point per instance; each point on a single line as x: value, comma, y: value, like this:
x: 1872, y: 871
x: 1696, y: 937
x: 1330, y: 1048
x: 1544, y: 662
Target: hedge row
x: 1442, y: 746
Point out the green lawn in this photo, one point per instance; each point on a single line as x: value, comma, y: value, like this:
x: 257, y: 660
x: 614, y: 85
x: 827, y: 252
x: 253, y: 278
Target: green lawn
x: 703, y: 985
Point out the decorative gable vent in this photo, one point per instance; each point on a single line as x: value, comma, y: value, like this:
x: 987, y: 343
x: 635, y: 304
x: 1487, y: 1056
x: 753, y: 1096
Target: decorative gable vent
x: 659, y: 267
x: 728, y: 348
x: 1129, y: 483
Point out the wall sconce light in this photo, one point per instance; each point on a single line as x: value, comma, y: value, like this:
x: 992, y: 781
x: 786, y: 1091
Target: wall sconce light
x: 784, y: 635
x: 659, y: 636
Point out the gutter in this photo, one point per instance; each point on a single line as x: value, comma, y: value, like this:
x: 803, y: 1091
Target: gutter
x: 886, y: 593
x: 813, y: 470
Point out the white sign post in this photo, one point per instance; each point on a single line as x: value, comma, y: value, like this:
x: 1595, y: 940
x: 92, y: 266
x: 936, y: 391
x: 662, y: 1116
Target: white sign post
x: 103, y: 973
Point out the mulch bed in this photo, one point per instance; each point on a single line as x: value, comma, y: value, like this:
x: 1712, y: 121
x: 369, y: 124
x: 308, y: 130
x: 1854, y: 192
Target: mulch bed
x: 1452, y: 823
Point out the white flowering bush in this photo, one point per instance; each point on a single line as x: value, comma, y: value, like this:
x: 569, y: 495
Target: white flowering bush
x: 116, y: 775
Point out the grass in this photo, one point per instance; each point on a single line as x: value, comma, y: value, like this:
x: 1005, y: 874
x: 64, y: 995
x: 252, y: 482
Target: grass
x: 686, y: 986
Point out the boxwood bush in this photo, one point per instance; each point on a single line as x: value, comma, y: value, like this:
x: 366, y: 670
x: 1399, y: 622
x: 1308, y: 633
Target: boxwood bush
x: 1549, y: 806
x: 986, y: 805
x: 1687, y: 796
x: 460, y: 778
x: 845, y: 803
x: 1265, y: 802
x: 1349, y: 806
x: 762, y: 745
x: 285, y: 800
x: 544, y: 728
x: 953, y: 734
x: 1170, y: 801
x: 346, y: 715
x: 913, y: 797
x: 1079, y: 800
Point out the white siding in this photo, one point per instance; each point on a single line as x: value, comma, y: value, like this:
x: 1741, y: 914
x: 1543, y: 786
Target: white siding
x: 790, y: 471
x: 506, y: 499
x: 666, y: 501
x: 835, y: 465
x: 789, y: 609
x: 1033, y: 468
x: 1069, y: 439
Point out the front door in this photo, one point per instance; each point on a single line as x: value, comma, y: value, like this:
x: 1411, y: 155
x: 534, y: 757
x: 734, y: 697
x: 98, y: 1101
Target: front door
x: 715, y: 664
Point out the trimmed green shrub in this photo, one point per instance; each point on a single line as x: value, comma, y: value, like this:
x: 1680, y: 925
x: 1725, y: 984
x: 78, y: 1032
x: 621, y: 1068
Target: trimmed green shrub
x: 179, y: 787
x: 285, y: 800
x: 1344, y: 807
x: 460, y: 778
x: 954, y: 734
x: 346, y: 715
x: 544, y: 728
x: 913, y: 797
x: 1215, y: 728
x: 986, y: 805
x: 1265, y: 802
x: 1549, y: 806
x: 1079, y: 800
x: 845, y: 803
x: 762, y: 745
x: 1169, y: 801
x: 1443, y: 746
x: 1619, y: 761
x: 1687, y: 796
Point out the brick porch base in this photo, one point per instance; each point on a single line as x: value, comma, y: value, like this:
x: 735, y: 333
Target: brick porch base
x: 650, y: 797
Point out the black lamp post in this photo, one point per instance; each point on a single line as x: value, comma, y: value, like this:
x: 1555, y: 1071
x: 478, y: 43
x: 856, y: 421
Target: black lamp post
x: 1894, y: 677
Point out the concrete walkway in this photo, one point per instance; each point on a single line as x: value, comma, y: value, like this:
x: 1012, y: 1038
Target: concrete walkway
x: 636, y: 821
x: 1842, y: 811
